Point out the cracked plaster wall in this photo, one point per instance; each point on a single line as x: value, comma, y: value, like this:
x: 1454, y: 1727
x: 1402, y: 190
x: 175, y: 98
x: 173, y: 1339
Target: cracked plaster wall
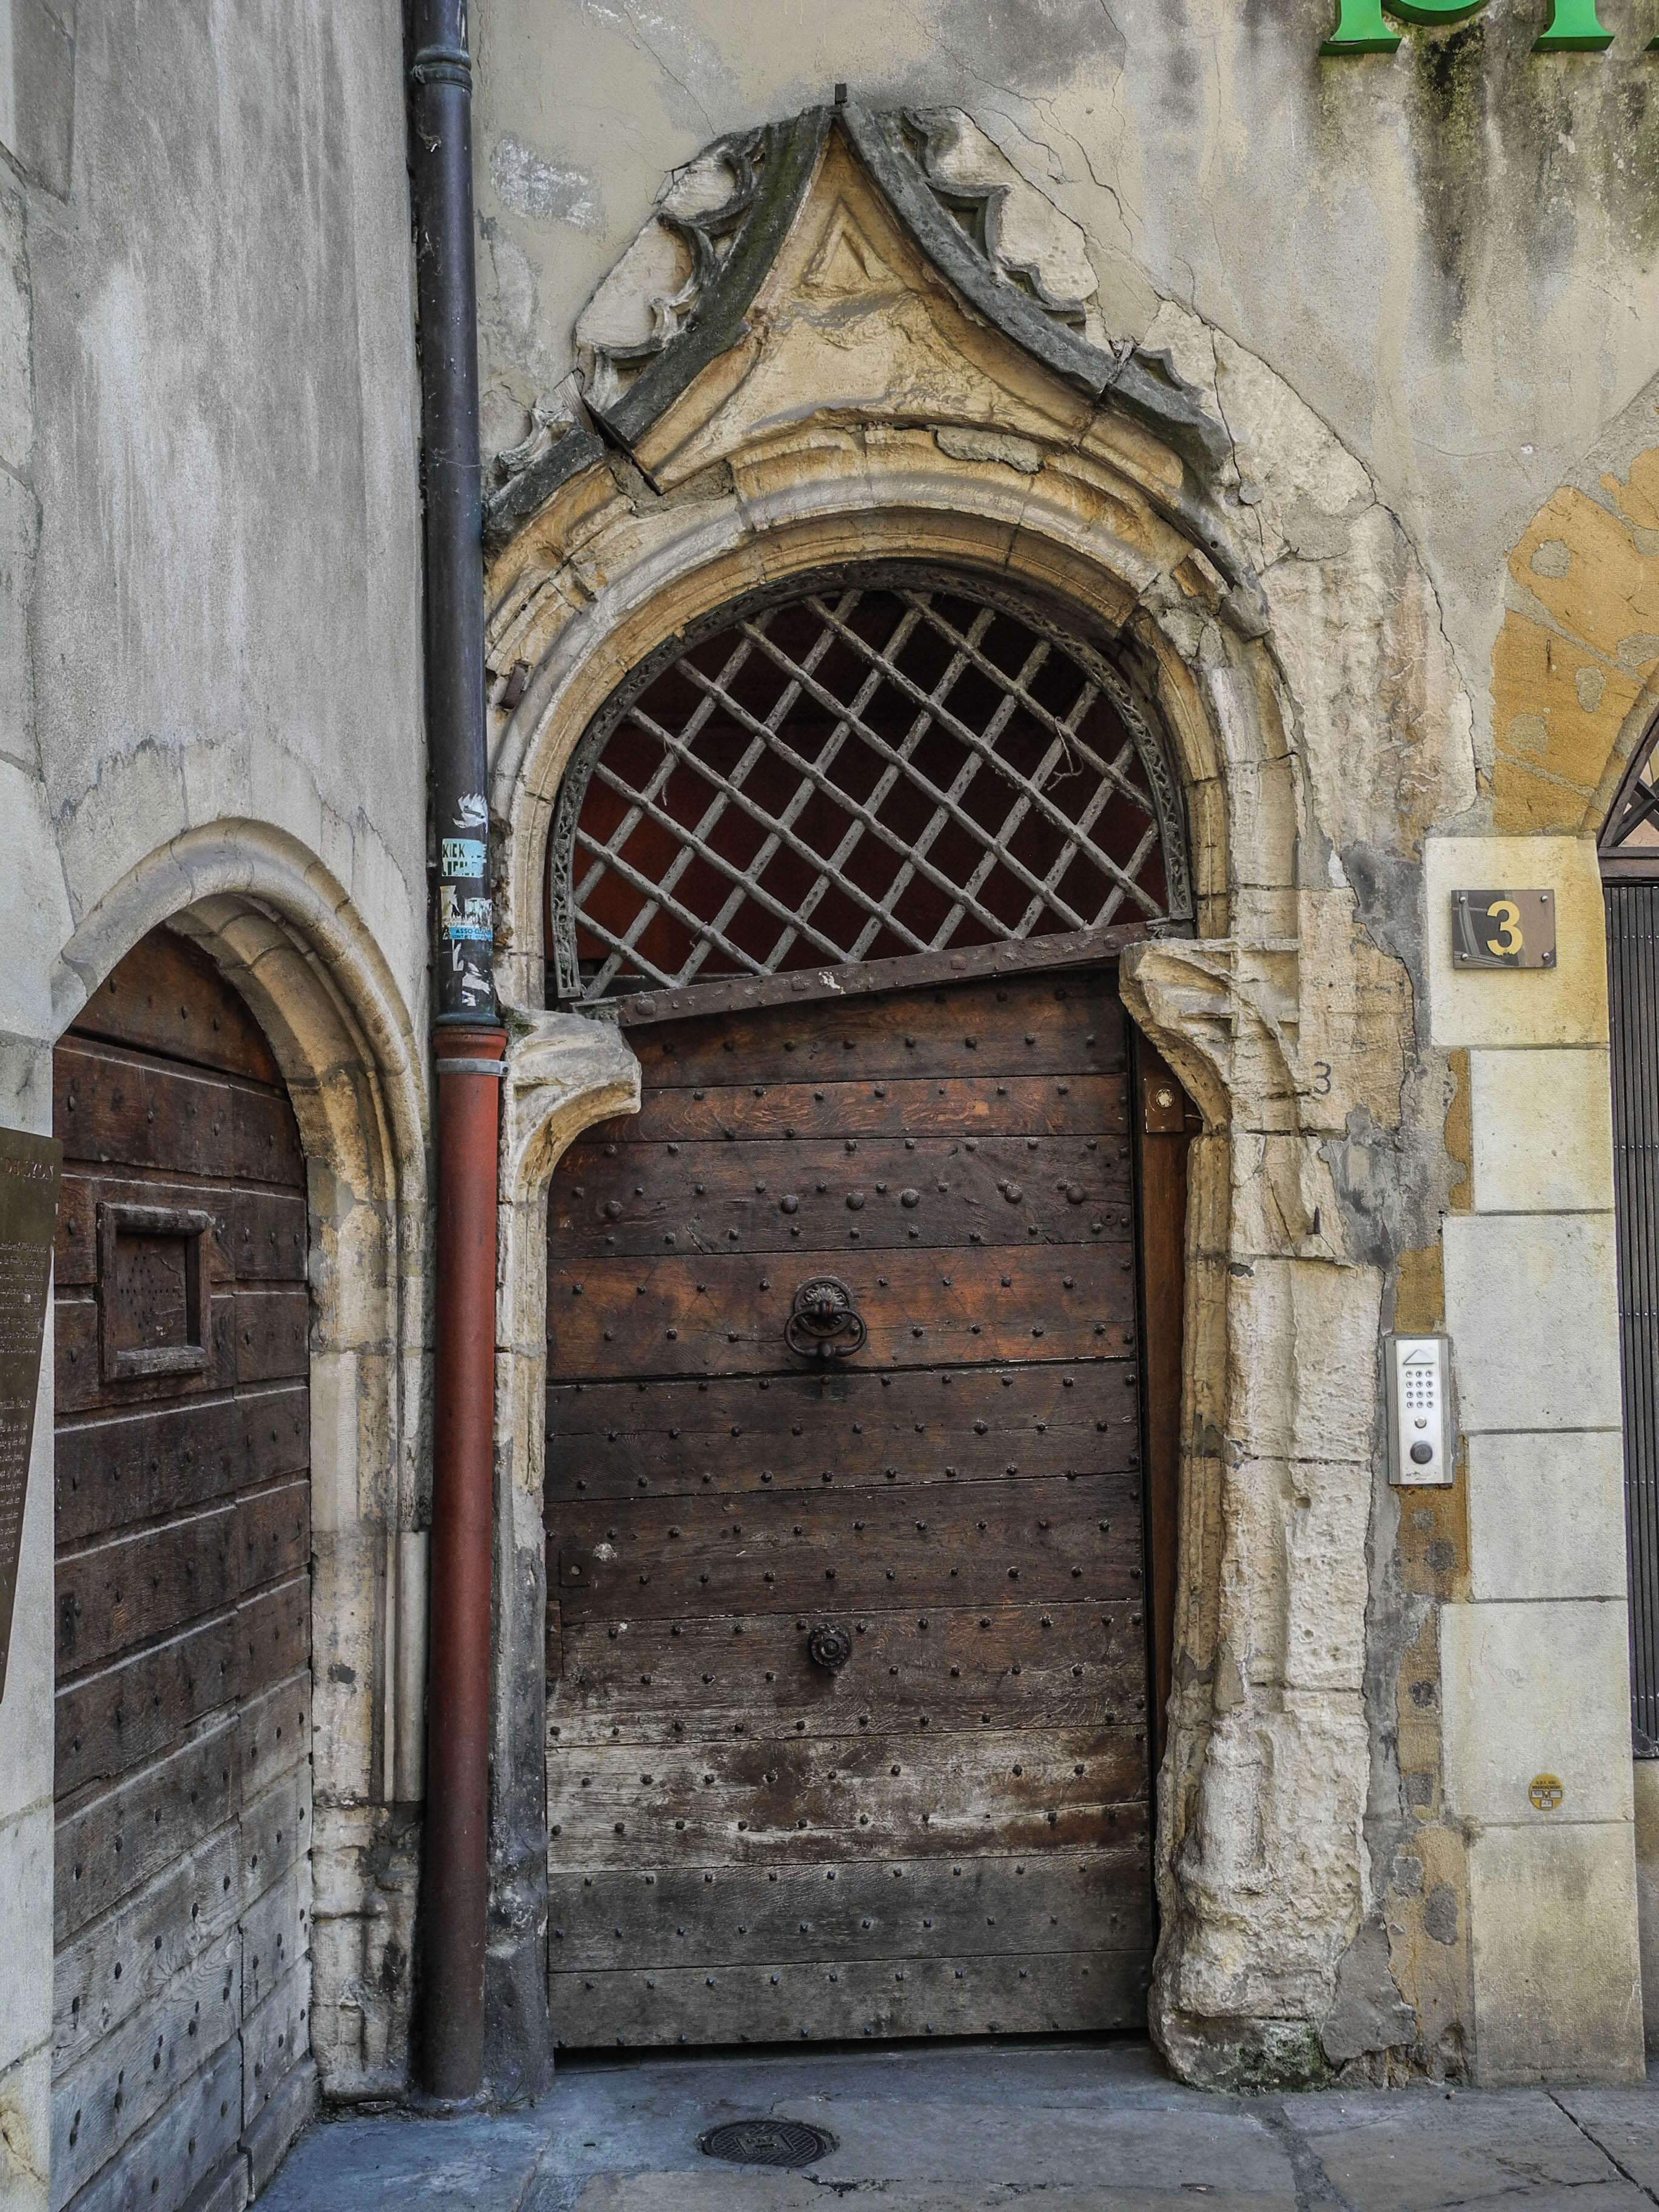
x: 210, y: 713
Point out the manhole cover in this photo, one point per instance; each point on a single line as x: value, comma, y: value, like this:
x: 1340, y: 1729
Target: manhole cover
x: 767, y: 2142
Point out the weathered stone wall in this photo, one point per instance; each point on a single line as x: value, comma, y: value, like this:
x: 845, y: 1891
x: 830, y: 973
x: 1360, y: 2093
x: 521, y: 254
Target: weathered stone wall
x: 211, y: 715
x: 1439, y: 637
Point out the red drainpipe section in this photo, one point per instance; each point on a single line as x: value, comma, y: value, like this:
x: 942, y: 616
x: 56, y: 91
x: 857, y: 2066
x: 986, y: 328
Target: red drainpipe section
x: 455, y: 1878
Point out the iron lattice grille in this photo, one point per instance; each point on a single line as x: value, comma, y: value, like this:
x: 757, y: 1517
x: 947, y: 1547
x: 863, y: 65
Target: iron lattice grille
x: 874, y: 764
x: 1629, y: 843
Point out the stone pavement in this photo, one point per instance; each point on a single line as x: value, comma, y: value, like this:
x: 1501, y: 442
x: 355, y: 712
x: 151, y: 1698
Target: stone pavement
x: 1066, y: 2127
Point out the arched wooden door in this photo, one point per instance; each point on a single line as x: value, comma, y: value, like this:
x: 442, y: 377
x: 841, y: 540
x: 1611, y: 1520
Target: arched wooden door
x: 848, y: 1459
x: 182, y: 1983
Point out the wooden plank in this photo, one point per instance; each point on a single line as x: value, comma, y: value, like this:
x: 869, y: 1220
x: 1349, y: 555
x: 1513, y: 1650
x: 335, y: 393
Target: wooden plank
x: 1161, y: 1164
x: 141, y: 2067
x: 275, y: 1833
x: 1018, y: 1666
x: 112, y: 1721
x: 937, y: 1192
x: 276, y: 2038
x: 1034, y: 1028
x: 106, y: 1848
x: 276, y: 1725
x: 131, y: 1588
x: 1039, y: 955
x: 822, y: 1799
x: 190, y: 2141
x: 977, y: 1544
x: 849, y: 1427
x: 167, y: 997
x: 273, y: 1632
x: 718, y: 1312
x: 117, y: 1966
x: 799, y: 1916
x: 273, y: 1533
x: 272, y: 1343
x: 275, y: 1933
x: 125, y: 1109
x: 264, y: 1144
x: 1076, y: 1992
x: 111, y: 1473
x: 845, y: 1427
x: 258, y: 1235
x: 986, y: 1105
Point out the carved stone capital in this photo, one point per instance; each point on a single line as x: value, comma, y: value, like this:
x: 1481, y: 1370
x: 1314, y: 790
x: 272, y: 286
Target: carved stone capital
x: 564, y: 1072
x: 1224, y: 1014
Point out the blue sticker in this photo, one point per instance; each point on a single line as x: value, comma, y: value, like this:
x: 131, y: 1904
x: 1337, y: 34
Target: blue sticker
x: 462, y: 856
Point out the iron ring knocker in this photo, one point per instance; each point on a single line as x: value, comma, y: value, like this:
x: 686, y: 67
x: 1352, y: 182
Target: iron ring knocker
x: 823, y: 1323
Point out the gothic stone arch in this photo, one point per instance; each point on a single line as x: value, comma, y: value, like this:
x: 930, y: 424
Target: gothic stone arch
x: 853, y: 336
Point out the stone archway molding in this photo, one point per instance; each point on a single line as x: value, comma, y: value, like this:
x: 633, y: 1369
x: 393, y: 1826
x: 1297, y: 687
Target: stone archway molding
x: 871, y: 399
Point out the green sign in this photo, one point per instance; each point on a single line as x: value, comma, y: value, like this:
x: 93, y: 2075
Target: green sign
x: 1574, y: 26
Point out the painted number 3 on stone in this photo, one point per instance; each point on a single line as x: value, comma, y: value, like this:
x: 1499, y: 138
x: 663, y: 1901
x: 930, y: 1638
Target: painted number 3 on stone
x: 1361, y: 27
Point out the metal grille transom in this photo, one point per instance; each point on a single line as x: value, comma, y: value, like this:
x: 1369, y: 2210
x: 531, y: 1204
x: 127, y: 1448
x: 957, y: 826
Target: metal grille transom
x: 855, y: 767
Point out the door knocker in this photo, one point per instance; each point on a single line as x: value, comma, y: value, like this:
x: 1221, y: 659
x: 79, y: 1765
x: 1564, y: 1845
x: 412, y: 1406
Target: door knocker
x: 823, y: 1323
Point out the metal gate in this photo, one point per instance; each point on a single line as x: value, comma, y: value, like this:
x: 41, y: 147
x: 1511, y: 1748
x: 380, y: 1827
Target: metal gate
x: 1629, y: 853
x: 182, y: 1775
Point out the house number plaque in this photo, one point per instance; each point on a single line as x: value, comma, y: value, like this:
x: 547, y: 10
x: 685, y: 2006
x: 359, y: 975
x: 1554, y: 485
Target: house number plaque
x: 29, y: 1169
x: 1503, y: 929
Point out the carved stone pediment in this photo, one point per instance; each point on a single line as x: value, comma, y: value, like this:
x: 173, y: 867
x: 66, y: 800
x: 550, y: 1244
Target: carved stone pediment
x: 848, y: 266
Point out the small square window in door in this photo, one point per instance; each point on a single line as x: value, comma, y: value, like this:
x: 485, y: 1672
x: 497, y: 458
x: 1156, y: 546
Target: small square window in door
x: 152, y: 1290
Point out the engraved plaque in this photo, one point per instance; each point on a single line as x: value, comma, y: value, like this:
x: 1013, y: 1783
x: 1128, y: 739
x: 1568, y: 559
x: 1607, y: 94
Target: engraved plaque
x: 29, y: 1170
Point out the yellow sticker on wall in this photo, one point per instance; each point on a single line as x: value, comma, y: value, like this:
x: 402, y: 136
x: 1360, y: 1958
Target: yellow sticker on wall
x: 1545, y: 1792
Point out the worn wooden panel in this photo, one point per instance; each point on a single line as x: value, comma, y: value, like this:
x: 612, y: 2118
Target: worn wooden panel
x: 1072, y: 1992
x: 124, y: 1109
x: 977, y: 1544
x: 830, y: 1798
x: 815, y: 1197
x: 134, y: 1588
x: 275, y: 2039
x: 132, y: 1466
x: 273, y: 1633
x: 167, y: 997
x: 1063, y: 1027
x: 275, y: 1933
x: 83, y: 1387
x: 110, y: 1721
x: 913, y: 1909
x: 190, y: 2140
x: 272, y: 1327
x: 99, y: 2105
x: 107, y: 1847
x: 783, y: 1432
x: 116, y: 1967
x: 275, y: 1732
x: 981, y: 1106
x: 962, y: 1499
x: 1026, y: 1665
x: 275, y: 1830
x: 688, y: 1316
x: 273, y: 1533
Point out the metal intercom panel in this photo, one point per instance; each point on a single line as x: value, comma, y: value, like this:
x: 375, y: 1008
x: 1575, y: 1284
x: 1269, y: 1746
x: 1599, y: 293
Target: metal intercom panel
x: 1420, y: 1410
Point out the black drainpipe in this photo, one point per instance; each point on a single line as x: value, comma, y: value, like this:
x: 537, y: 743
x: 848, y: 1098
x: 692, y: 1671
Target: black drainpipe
x: 468, y: 1049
